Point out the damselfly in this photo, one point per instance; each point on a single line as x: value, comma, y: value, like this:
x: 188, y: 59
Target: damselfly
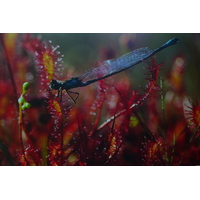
x: 107, y: 68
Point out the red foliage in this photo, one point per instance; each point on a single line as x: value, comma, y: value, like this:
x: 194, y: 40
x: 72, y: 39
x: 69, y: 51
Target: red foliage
x: 114, y: 125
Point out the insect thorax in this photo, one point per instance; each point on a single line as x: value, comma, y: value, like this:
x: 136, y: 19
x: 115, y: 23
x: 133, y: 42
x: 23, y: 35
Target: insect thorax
x: 71, y: 83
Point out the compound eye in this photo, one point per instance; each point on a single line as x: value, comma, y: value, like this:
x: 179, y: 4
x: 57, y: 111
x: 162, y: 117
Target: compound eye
x: 54, y: 85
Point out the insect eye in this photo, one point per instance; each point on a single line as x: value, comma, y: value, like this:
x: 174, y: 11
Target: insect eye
x: 54, y: 85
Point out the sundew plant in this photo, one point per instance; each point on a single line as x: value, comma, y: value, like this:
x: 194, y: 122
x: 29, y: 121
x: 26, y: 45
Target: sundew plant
x: 115, y: 121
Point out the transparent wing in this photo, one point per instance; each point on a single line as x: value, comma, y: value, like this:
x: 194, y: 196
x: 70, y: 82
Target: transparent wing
x: 113, y: 66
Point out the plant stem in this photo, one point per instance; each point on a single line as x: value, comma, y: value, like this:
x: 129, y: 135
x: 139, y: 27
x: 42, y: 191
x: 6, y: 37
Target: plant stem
x: 20, y: 133
x: 163, y: 114
x: 162, y: 106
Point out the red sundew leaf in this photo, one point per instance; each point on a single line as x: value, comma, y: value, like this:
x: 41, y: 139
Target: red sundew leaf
x: 58, y: 138
x: 47, y: 60
x: 22, y: 160
x: 100, y: 98
x: 30, y: 42
x: 192, y: 114
x: 33, y: 156
x: 112, y: 140
x: 48, y: 63
x: 61, y: 115
x: 54, y: 109
x: 156, y: 152
x: 30, y: 157
x: 152, y: 76
x: 54, y: 155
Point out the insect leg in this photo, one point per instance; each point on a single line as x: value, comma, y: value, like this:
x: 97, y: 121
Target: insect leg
x: 60, y: 91
x: 74, y: 100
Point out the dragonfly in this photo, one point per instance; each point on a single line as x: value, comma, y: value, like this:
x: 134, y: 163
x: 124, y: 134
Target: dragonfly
x: 106, y: 69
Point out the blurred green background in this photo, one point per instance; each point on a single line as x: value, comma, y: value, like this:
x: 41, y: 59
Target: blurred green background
x: 85, y: 50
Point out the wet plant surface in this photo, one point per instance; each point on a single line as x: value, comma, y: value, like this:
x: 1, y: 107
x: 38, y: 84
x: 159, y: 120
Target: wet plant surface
x: 115, y: 121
